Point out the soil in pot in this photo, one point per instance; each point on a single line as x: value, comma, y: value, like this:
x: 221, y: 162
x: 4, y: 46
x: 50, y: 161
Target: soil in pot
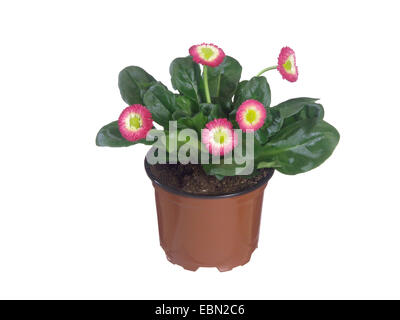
x: 192, y: 179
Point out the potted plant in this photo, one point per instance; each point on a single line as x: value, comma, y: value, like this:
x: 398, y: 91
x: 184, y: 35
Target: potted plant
x: 215, y: 147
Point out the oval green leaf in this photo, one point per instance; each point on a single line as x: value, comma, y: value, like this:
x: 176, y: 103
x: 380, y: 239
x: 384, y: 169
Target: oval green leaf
x: 299, y: 147
x: 256, y: 88
x: 109, y: 136
x: 161, y: 103
x: 223, y: 79
x: 133, y: 82
x: 186, y: 77
x: 293, y: 106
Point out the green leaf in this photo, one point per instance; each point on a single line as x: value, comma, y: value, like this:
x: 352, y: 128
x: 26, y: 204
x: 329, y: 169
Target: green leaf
x: 257, y: 88
x: 232, y: 118
x: 212, y: 111
x: 294, y: 110
x: 309, y: 111
x: 223, y: 79
x: 161, y: 103
x: 225, y: 169
x: 263, y: 164
x: 225, y: 105
x: 271, y: 126
x: 133, y: 83
x: 221, y: 169
x: 239, y: 89
x: 186, y: 105
x: 109, y: 136
x: 178, y: 114
x: 293, y: 106
x: 186, y: 77
x: 299, y: 147
x: 197, y: 122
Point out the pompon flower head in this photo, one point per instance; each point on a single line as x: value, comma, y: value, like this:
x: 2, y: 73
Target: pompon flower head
x: 135, y: 122
x: 207, y: 54
x: 251, y: 115
x: 219, y: 137
x: 287, y: 64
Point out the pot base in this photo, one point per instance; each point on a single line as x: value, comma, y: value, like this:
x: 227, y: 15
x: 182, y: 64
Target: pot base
x: 222, y: 268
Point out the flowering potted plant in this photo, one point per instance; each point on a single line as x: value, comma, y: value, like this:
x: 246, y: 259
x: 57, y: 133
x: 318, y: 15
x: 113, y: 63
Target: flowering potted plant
x: 217, y: 144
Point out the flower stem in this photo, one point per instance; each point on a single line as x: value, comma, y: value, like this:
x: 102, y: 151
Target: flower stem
x: 265, y: 70
x: 205, y: 79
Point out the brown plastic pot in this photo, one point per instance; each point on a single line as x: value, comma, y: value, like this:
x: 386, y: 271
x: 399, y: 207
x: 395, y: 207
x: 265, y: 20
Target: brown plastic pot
x: 208, y: 231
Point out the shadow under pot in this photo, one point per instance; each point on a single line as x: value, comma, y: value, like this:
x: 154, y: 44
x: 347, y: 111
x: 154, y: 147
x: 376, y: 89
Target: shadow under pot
x: 208, y: 230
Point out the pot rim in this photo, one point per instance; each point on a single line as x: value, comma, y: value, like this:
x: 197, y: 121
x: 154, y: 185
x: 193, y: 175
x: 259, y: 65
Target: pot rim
x: 205, y: 196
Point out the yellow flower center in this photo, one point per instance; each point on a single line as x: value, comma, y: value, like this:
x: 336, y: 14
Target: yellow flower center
x: 208, y: 53
x: 134, y: 122
x: 251, y: 116
x: 289, y: 65
x: 220, y: 136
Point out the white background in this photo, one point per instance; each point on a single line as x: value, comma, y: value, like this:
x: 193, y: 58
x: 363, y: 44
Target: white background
x: 78, y: 221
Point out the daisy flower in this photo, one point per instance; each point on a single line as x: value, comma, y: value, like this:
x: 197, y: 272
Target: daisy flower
x: 287, y: 64
x: 219, y: 137
x: 207, y: 54
x: 251, y: 115
x: 134, y: 122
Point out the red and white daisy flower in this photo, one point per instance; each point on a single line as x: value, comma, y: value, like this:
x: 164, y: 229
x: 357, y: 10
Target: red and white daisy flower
x: 287, y: 64
x: 219, y: 137
x: 251, y: 115
x: 135, y: 122
x: 207, y: 54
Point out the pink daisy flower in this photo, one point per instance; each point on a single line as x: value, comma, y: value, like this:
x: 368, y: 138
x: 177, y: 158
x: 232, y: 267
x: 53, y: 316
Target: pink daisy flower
x: 251, y: 115
x: 219, y: 137
x: 287, y: 64
x: 207, y: 54
x: 134, y: 122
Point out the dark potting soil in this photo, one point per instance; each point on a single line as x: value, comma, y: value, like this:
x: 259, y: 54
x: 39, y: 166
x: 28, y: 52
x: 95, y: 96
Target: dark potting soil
x: 191, y: 178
